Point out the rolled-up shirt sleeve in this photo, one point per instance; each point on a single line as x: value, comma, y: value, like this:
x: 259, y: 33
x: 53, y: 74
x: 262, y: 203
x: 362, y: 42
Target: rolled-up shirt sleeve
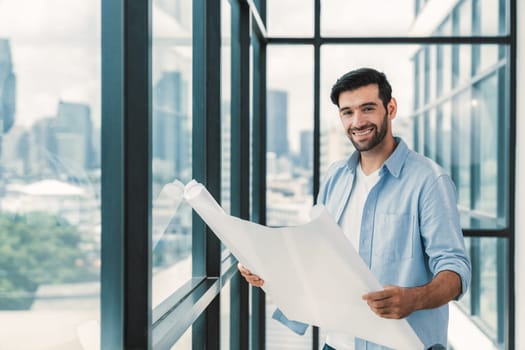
x: 441, y: 231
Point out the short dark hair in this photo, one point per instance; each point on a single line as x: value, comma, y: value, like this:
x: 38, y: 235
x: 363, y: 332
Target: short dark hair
x: 359, y: 78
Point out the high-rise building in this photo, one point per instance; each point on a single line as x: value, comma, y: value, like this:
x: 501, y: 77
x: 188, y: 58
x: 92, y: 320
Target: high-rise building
x: 306, y: 157
x: 171, y: 127
x: 7, y: 97
x: 277, y: 129
x: 334, y: 146
x: 15, y: 161
x: 7, y: 86
x: 71, y: 135
x: 40, y: 146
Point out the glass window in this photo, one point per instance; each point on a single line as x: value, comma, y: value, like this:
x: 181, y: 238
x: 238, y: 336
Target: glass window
x: 49, y: 173
x: 485, y: 108
x: 171, y: 152
x: 290, y: 18
x: 348, y: 18
x: 466, y: 301
x: 485, y: 300
x: 492, y: 17
x: 445, y: 68
x: 460, y: 130
x: 444, y: 136
x: 225, y: 315
x: 351, y: 18
x: 462, y: 104
x: 489, y: 283
x: 289, y: 157
x: 430, y: 134
x: 462, y: 19
x: 184, y: 342
x: 289, y: 134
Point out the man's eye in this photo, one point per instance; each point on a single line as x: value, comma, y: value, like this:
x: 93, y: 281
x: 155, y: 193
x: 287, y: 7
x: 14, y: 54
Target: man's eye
x: 368, y: 109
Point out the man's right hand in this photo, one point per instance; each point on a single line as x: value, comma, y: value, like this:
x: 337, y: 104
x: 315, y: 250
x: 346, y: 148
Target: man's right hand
x: 252, y: 279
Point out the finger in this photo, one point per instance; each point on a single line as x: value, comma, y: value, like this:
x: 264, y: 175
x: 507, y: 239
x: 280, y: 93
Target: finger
x: 374, y: 296
x: 243, y: 269
x: 255, y: 282
x: 380, y: 304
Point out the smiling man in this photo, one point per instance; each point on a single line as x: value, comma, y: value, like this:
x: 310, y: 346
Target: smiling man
x: 398, y: 209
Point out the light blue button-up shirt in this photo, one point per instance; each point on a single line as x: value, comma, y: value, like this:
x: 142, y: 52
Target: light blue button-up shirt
x: 410, y: 231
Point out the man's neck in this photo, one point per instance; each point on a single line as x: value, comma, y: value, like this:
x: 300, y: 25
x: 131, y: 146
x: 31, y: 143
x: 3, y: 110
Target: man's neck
x: 373, y: 159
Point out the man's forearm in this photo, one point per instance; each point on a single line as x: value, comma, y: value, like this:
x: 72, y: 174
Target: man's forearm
x: 445, y: 287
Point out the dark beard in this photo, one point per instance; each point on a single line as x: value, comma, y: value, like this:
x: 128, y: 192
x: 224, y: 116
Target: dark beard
x: 376, y: 140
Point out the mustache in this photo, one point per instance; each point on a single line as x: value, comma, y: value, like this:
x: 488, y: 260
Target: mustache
x: 363, y: 127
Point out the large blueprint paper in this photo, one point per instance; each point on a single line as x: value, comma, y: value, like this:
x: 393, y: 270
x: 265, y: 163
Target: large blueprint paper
x: 311, y: 271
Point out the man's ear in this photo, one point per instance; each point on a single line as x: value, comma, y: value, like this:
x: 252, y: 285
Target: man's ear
x: 392, y: 108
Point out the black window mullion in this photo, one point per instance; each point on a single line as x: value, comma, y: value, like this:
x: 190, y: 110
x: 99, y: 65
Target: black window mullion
x: 259, y: 178
x: 240, y: 161
x: 511, y: 176
x: 317, y: 124
x: 126, y: 185
x: 258, y: 325
x: 206, y: 163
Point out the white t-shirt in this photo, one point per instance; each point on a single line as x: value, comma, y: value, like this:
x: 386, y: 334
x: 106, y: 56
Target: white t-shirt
x: 351, y: 225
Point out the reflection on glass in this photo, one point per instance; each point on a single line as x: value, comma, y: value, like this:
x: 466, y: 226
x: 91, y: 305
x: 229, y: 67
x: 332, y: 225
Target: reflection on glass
x: 485, y: 109
x: 462, y: 18
x: 289, y: 156
x: 49, y: 173
x: 225, y: 316
x: 486, y: 297
x: 290, y: 18
x: 444, y: 138
x: 463, y: 116
x: 289, y: 134
x: 171, y: 153
x: 489, y: 283
x: 467, y: 298
x: 184, y: 342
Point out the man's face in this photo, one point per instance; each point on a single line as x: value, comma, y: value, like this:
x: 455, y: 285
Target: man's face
x: 364, y: 118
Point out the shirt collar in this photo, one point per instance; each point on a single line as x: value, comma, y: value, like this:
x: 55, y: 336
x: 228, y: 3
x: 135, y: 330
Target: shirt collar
x: 393, y: 164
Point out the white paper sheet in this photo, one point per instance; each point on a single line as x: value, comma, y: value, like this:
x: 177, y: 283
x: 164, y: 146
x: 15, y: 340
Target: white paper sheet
x: 311, y: 271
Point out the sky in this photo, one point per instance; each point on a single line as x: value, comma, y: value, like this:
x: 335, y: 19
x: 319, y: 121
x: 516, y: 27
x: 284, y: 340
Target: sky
x: 55, y: 46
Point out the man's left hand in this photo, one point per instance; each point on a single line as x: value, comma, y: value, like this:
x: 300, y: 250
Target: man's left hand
x: 392, y: 302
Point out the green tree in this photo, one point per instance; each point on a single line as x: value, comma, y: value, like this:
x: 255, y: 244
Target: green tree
x: 38, y: 248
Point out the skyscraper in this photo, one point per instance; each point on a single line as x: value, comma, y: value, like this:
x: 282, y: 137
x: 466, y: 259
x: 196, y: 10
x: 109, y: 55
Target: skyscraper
x: 7, y: 98
x: 277, y: 127
x: 72, y: 135
x: 7, y: 86
x: 306, y: 157
x: 171, y: 127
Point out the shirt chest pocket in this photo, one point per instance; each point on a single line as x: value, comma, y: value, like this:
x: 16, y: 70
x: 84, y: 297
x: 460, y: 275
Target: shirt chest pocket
x: 394, y: 236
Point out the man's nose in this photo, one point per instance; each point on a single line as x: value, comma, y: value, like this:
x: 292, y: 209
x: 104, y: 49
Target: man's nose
x: 358, y: 119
